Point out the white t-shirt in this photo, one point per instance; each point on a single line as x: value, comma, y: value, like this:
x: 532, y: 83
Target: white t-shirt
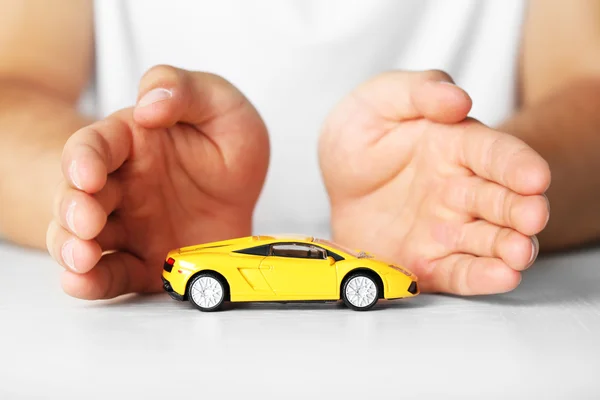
x: 295, y: 59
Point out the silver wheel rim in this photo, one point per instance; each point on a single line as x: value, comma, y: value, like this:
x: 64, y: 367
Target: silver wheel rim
x: 207, y: 292
x: 361, y: 291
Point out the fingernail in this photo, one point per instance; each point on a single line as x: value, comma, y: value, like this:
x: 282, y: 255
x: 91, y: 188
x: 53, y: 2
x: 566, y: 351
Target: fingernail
x: 447, y: 83
x: 71, y: 217
x: 548, y: 216
x: 67, y: 254
x: 433, y: 84
x: 74, y: 174
x: 535, y: 245
x: 154, y: 96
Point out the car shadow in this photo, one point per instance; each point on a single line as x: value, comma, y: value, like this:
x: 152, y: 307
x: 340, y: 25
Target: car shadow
x: 318, y: 306
x: 558, y: 279
x: 148, y: 301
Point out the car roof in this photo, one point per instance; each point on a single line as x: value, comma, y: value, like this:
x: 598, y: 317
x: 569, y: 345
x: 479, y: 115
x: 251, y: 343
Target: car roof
x: 282, y: 237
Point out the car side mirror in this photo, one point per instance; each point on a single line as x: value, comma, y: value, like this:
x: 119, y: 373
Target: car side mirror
x: 331, y: 260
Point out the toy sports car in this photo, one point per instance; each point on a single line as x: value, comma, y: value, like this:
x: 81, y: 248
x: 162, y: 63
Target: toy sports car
x: 281, y: 269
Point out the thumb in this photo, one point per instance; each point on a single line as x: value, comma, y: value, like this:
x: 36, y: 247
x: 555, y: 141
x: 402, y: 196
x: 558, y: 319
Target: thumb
x: 438, y: 99
x: 168, y: 95
x: 402, y: 95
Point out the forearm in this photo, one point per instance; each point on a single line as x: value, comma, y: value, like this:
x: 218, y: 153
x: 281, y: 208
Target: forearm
x: 565, y: 130
x: 34, y: 125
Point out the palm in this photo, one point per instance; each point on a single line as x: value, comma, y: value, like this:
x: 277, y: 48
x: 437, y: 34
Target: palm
x: 177, y: 192
x: 386, y: 193
x: 184, y: 166
x: 456, y: 203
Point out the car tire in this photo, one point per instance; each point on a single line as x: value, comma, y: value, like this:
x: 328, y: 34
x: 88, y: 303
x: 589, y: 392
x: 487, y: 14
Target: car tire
x: 360, y: 292
x: 207, y: 292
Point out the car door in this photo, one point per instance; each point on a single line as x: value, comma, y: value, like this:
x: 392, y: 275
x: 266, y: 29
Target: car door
x: 300, y: 271
x: 253, y: 285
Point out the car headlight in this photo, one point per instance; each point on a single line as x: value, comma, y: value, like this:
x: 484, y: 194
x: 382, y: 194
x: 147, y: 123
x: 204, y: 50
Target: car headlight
x: 402, y: 270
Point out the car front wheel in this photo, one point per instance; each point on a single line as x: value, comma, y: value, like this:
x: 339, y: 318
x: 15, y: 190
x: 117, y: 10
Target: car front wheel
x: 207, y: 292
x: 360, y: 292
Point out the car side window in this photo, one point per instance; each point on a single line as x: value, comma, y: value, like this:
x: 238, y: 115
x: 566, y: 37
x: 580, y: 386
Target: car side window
x: 296, y: 250
x: 255, y: 251
x: 318, y: 253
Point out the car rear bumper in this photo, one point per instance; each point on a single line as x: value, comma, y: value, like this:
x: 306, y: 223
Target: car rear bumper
x: 169, y: 289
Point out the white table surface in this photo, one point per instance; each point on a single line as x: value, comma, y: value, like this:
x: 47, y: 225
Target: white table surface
x: 540, y: 341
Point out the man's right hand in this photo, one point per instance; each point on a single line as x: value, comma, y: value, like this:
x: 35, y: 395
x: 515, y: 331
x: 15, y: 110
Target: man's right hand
x: 184, y: 166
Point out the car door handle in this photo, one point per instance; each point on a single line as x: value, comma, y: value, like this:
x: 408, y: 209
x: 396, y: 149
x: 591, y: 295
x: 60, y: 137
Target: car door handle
x: 266, y: 267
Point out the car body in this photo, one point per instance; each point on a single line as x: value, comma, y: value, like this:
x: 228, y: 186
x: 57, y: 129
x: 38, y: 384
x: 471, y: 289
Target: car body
x: 281, y: 269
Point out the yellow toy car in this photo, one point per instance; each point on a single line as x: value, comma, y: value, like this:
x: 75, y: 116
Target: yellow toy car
x: 281, y: 269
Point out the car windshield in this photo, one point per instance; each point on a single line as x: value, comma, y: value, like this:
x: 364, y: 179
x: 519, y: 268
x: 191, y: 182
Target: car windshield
x: 358, y: 254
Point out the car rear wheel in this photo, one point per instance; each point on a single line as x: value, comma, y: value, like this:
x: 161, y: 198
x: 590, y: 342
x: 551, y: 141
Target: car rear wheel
x: 207, y: 292
x: 360, y: 292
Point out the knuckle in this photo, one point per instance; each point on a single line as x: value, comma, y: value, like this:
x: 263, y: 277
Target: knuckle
x: 384, y: 76
x: 437, y: 75
x: 58, y: 200
x: 501, y: 235
x: 459, y: 278
x: 461, y: 237
x: 108, y: 291
x: 215, y: 78
x: 507, y: 201
x: 51, y: 233
x: 217, y: 81
x: 473, y: 198
x: 162, y: 75
x: 61, y: 208
x: 470, y: 126
x: 109, y: 196
x: 503, y: 206
x: 509, y: 174
x: 97, y: 144
x: 161, y: 70
x: 489, y: 158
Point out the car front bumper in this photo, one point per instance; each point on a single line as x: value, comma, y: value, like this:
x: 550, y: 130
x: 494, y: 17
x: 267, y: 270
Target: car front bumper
x: 413, y: 288
x: 402, y: 288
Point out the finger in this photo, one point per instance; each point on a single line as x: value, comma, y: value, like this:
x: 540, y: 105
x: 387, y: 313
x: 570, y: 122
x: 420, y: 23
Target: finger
x: 95, y: 151
x: 83, y: 214
x: 168, y: 95
x: 116, y: 274
x: 499, y: 205
x: 483, y: 239
x: 402, y: 95
x: 441, y: 101
x: 74, y: 254
x: 467, y: 275
x: 213, y: 109
x: 502, y: 158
